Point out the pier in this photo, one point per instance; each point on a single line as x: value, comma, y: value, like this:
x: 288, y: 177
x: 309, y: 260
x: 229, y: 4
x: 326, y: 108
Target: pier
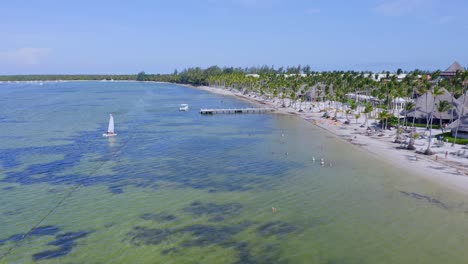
x: 235, y: 111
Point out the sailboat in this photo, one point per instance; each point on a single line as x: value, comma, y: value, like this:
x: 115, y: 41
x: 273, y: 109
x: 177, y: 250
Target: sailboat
x: 110, y: 130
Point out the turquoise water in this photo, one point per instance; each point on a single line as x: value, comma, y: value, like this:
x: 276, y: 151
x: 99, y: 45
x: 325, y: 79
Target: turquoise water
x: 178, y: 187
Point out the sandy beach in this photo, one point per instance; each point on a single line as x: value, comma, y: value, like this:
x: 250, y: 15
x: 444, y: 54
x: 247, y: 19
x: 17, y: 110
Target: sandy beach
x: 449, y: 170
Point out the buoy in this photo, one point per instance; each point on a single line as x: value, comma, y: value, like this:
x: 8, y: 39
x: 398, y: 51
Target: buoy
x: 313, y: 159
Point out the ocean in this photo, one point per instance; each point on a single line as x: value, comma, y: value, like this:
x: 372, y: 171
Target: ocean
x: 180, y: 187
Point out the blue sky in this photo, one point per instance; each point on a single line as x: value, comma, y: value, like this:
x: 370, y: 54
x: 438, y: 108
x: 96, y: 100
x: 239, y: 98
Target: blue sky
x: 159, y: 36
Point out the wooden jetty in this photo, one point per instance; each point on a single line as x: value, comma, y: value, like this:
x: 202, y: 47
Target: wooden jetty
x: 235, y: 111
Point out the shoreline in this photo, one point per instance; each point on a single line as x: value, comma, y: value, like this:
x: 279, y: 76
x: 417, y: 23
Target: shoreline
x: 449, y: 172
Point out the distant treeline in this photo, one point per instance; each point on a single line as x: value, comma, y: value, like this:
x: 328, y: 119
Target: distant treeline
x: 66, y: 77
x: 194, y: 76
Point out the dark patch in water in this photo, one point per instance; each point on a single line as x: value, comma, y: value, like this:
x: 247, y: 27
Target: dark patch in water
x: 426, y: 198
x: 8, y: 188
x: 116, y: 189
x: 64, y: 242
x: 216, y: 219
x: 109, y: 225
x: 38, y: 231
x: 158, y: 217
x: 12, y: 238
x: 54, y: 190
x: 275, y: 228
x: 216, y: 211
x: 206, y: 235
x: 66, y: 238
x: 256, y: 171
x: 170, y: 250
x: 148, y: 236
x: 45, y: 231
x: 244, y: 253
x: 270, y: 253
x: 13, y: 212
x: 201, y: 235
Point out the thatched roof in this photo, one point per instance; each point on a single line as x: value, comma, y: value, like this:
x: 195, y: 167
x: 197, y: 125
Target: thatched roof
x: 462, y: 123
x: 453, y: 69
x: 422, y: 109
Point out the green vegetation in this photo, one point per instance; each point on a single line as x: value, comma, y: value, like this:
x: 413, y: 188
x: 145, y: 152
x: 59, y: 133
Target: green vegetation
x: 141, y: 76
x: 394, y: 122
x: 448, y: 136
x: 77, y: 77
x: 294, y: 85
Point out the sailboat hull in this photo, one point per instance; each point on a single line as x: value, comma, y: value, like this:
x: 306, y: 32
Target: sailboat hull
x: 109, y: 135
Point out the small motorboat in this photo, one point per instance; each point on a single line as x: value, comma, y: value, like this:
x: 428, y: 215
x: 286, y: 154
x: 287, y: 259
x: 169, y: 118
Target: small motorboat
x: 183, y: 107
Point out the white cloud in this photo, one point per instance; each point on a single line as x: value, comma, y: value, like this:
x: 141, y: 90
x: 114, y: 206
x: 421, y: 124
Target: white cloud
x: 401, y: 7
x: 23, y: 56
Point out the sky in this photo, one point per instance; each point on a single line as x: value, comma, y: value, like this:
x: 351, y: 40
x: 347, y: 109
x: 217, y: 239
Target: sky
x: 155, y: 36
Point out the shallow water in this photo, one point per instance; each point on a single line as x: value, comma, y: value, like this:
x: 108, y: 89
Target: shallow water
x: 178, y: 187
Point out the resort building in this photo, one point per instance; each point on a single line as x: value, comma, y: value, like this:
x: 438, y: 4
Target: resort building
x: 363, y: 98
x: 427, y: 104
x: 452, y: 70
x: 254, y: 75
x: 384, y: 76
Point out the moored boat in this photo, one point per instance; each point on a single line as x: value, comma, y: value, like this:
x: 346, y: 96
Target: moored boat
x: 183, y: 107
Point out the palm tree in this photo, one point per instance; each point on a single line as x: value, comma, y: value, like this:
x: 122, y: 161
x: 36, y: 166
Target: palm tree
x: 367, y: 109
x: 436, y: 92
x: 424, y: 88
x: 357, y: 116
x: 413, y: 137
x: 463, y: 80
x: 443, y: 106
x: 384, y: 116
x: 409, y: 106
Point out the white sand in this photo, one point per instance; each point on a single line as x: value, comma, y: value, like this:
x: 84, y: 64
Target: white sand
x: 450, y: 172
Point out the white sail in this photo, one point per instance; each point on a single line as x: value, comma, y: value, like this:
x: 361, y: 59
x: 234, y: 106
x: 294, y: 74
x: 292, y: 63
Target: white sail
x: 110, y: 129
